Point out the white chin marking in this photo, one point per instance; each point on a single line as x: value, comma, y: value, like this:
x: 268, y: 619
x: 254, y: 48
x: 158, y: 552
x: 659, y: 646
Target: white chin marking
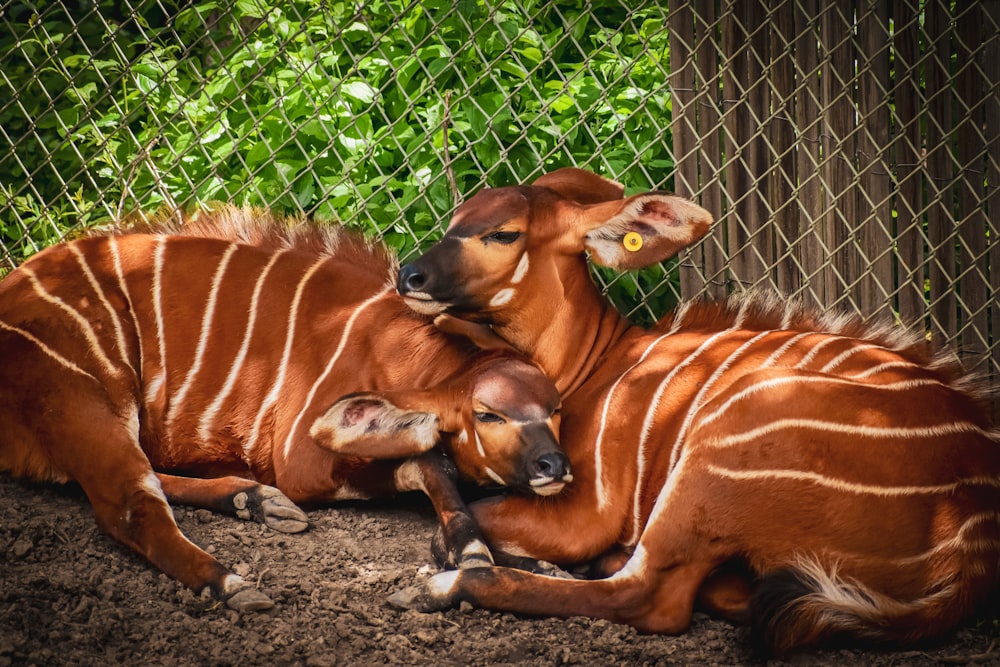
x: 549, y: 489
x: 502, y: 297
x: 425, y: 307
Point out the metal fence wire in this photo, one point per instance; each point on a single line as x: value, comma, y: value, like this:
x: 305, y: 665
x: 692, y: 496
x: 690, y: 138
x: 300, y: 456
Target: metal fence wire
x: 849, y: 150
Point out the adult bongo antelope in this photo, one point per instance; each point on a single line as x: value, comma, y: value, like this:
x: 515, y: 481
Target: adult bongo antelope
x: 819, y: 477
x: 219, y: 354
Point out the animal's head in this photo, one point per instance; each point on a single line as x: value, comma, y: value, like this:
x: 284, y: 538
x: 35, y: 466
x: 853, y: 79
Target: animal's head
x: 498, y: 418
x: 507, y: 246
x: 510, y: 417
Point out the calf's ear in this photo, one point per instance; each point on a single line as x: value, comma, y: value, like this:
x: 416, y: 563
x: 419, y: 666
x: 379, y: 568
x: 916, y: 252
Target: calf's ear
x: 642, y: 229
x: 371, y: 425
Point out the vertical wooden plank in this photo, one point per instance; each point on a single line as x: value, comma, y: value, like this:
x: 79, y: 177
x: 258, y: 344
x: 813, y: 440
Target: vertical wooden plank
x: 733, y: 60
x: 745, y: 103
x: 755, y: 122
x: 781, y: 135
x: 836, y: 35
x: 683, y: 121
x: 709, y: 133
x: 972, y: 259
x: 874, y: 204
x: 910, y: 271
x: 940, y: 214
x: 810, y: 197
x: 991, y: 67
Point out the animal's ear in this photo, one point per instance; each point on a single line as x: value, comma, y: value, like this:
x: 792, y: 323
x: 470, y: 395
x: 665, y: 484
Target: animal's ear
x: 642, y: 229
x: 481, y: 335
x: 581, y: 186
x: 373, y: 426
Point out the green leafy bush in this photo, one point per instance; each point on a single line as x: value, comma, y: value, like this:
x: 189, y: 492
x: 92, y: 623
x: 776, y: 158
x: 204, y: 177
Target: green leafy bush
x: 379, y: 114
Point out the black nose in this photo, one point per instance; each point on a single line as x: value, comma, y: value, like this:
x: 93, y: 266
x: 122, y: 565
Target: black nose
x: 410, y: 279
x: 551, y: 464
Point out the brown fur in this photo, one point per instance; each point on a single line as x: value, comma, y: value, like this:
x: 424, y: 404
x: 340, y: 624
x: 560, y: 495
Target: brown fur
x: 843, y: 468
x: 223, y: 351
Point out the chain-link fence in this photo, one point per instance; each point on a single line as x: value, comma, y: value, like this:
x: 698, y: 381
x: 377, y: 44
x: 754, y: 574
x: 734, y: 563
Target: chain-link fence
x: 849, y: 150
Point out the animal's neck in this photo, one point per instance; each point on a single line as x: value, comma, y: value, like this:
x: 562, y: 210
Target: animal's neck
x: 567, y: 332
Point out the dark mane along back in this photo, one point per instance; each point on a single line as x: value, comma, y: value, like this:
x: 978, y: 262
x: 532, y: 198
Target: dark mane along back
x: 261, y: 228
x: 763, y: 310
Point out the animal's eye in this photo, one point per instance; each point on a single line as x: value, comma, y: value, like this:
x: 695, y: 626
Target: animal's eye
x: 505, y: 238
x: 489, y: 418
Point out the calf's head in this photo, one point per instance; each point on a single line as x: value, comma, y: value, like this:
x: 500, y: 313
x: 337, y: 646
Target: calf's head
x: 498, y: 418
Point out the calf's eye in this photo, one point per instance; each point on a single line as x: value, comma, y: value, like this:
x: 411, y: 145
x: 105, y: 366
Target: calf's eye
x: 505, y: 238
x: 489, y: 418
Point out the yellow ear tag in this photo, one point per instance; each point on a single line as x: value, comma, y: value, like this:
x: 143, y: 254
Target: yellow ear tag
x: 632, y: 241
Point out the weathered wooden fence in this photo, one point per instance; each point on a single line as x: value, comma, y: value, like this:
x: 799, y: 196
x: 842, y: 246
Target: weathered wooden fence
x: 853, y: 149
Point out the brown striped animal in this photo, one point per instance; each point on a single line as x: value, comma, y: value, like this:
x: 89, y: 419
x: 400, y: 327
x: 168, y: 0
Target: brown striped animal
x: 227, y: 355
x: 818, y: 477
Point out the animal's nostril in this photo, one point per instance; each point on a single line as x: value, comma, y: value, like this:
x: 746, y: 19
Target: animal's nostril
x: 552, y: 464
x: 410, y: 279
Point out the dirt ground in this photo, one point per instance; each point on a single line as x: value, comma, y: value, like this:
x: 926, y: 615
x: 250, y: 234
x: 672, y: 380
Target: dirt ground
x: 71, y: 596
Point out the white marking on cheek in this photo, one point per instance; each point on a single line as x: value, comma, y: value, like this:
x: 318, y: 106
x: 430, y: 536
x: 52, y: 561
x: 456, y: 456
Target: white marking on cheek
x: 521, y: 270
x: 495, y: 477
x: 479, y: 444
x: 502, y: 297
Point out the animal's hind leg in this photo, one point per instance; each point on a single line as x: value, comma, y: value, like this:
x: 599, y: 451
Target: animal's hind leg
x: 235, y: 496
x: 130, y: 505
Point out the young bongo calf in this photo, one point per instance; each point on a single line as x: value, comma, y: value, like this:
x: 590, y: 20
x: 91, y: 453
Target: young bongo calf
x: 849, y: 475
x: 216, y: 355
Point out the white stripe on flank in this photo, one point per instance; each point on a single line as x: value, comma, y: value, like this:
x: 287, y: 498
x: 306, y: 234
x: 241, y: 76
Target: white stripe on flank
x: 208, y: 416
x: 120, y: 273
x: 81, y: 321
x: 206, y: 329
x: 115, y: 320
x: 847, y: 354
x: 889, y: 365
x: 699, y: 397
x: 960, y: 541
x: 666, y: 491
x: 647, y: 422
x: 602, y: 493
x: 158, y: 380
x: 850, y: 487
x: 879, y: 432
x: 344, y: 335
x: 647, y: 425
x: 272, y: 395
x: 785, y: 347
x: 47, y: 350
x: 806, y: 360
x: 770, y: 383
